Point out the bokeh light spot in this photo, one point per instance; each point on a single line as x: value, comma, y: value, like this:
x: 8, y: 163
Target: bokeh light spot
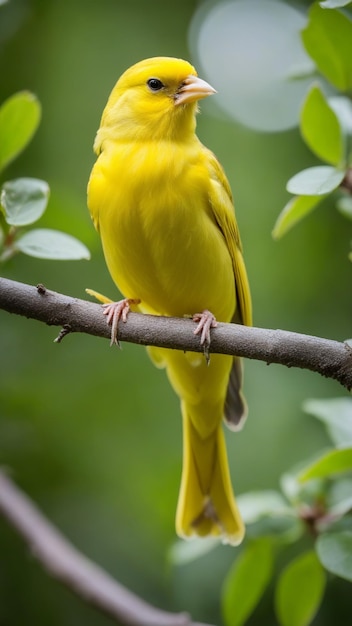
x: 251, y: 52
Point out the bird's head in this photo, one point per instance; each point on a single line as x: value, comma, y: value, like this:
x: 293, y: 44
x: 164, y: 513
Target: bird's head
x: 154, y: 99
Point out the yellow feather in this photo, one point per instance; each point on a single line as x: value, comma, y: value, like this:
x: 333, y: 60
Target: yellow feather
x: 162, y: 205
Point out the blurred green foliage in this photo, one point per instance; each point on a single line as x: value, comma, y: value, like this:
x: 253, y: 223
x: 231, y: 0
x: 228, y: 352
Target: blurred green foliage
x: 23, y: 201
x: 325, y: 124
x: 94, y: 434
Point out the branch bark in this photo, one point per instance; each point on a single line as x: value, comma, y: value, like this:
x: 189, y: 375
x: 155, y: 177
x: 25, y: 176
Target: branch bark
x: 329, y: 358
x: 86, y: 579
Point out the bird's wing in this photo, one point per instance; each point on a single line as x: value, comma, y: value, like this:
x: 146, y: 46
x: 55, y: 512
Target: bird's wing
x: 222, y: 206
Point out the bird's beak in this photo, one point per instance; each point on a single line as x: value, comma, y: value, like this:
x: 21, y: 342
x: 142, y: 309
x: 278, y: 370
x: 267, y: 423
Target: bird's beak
x: 192, y: 89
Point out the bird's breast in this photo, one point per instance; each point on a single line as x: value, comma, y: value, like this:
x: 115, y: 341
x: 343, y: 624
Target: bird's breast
x: 160, y: 239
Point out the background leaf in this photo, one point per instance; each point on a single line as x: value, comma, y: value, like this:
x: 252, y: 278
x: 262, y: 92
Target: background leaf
x: 315, y: 181
x: 344, y: 205
x: 342, y: 107
x: 320, y: 127
x: 335, y: 553
x: 299, y: 591
x: 329, y: 464
x: 19, y: 118
x: 246, y: 582
x: 267, y: 514
x: 182, y: 552
x: 340, y: 497
x: 328, y: 40
x: 44, y: 243
x: 293, y: 212
x: 24, y: 200
x: 299, y: 493
x: 333, y: 4
x: 336, y: 413
x: 255, y: 504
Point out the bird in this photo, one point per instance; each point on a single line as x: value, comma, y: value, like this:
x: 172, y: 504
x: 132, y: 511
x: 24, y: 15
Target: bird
x: 163, y: 207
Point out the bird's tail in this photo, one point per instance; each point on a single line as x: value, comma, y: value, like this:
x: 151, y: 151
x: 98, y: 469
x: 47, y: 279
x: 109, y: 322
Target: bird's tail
x: 206, y: 503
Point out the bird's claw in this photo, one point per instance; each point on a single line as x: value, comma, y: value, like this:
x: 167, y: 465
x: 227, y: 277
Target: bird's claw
x: 206, y: 321
x: 116, y: 311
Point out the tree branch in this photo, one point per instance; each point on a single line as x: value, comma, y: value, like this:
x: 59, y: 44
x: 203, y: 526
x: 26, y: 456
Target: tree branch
x: 86, y: 579
x: 329, y: 358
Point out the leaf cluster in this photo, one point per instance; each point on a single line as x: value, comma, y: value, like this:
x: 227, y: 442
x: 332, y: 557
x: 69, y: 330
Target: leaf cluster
x: 24, y: 200
x: 325, y: 117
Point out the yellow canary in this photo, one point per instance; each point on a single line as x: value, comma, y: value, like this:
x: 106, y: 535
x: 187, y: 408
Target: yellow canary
x: 163, y: 207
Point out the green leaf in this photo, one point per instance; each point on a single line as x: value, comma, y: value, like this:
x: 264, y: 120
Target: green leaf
x: 267, y: 513
x: 328, y: 40
x: 315, y: 181
x: 43, y: 243
x: 300, y: 591
x: 329, y: 464
x: 256, y: 504
x: 280, y: 528
x: 320, y: 128
x: 24, y: 200
x: 19, y: 118
x: 293, y: 212
x: 334, y: 4
x: 305, y: 68
x: 291, y: 487
x: 246, y: 582
x: 342, y: 108
x: 336, y: 413
x: 335, y: 553
x: 183, y: 552
x: 344, y: 205
x: 340, y: 497
x: 298, y: 493
x: 337, y: 525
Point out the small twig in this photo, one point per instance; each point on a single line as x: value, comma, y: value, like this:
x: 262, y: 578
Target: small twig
x: 329, y: 358
x: 63, y: 561
x: 65, y: 330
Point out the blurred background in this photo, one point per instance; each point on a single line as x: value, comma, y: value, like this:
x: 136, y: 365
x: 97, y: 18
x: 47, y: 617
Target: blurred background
x: 93, y: 434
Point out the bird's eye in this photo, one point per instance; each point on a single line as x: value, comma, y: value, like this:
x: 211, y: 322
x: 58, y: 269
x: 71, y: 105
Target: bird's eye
x: 155, y: 84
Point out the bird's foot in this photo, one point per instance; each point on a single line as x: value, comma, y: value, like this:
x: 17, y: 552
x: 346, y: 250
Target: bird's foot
x: 206, y: 321
x: 116, y: 311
